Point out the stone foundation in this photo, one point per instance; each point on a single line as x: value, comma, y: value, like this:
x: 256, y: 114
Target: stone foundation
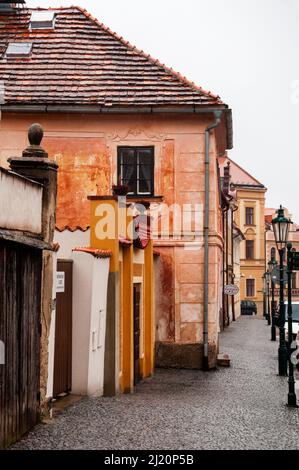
x: 183, y: 355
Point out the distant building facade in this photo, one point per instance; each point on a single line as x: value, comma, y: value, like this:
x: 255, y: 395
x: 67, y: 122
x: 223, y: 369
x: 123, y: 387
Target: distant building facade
x: 250, y: 219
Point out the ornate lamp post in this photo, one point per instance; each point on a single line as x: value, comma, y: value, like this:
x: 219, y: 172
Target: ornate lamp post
x: 268, y: 277
x: 264, y: 297
x: 272, y: 265
x: 281, y: 226
x: 292, y: 400
x: 267, y: 282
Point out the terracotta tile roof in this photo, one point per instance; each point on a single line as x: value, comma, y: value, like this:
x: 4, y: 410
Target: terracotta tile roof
x: 95, y: 252
x: 82, y: 62
x: 61, y: 227
x: 239, y: 176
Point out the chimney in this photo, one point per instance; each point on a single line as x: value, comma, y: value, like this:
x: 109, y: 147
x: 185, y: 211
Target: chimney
x: 226, y: 179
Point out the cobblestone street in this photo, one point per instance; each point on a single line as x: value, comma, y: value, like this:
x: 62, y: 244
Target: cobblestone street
x: 241, y: 407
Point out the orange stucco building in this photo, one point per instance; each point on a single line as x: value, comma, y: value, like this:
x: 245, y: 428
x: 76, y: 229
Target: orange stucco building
x: 111, y: 114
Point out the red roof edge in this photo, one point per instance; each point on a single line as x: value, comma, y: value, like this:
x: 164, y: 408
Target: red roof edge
x: 95, y: 252
x: 245, y: 171
x: 62, y: 228
x: 148, y: 56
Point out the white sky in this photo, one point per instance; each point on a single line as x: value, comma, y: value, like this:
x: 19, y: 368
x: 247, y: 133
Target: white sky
x: 247, y: 51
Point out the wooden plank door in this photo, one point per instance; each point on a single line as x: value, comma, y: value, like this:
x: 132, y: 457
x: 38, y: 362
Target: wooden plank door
x: 20, y: 300
x: 137, y: 290
x: 63, y: 331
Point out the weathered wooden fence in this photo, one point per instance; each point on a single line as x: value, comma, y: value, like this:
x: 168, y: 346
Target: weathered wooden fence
x: 20, y: 305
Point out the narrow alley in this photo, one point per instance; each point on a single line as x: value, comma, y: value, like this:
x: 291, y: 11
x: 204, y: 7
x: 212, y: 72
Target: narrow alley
x: 241, y: 407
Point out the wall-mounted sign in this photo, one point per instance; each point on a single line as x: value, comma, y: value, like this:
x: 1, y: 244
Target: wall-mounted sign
x: 60, y: 281
x: 231, y: 289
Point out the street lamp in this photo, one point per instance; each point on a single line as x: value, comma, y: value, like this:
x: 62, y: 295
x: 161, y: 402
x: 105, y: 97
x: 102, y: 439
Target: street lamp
x: 292, y: 399
x: 271, y: 267
x: 268, y: 277
x: 281, y: 226
x: 264, y: 297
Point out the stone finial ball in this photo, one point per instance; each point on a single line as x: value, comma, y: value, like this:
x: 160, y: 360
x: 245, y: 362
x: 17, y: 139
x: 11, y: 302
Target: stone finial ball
x: 35, y: 134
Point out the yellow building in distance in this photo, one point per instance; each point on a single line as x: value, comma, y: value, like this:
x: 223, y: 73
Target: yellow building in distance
x: 250, y: 219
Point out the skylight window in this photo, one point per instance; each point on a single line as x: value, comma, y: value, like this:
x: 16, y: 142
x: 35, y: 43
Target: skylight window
x: 42, y: 20
x: 19, y: 49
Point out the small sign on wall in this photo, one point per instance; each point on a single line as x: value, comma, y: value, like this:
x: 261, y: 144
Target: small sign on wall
x: 231, y: 289
x: 60, y: 281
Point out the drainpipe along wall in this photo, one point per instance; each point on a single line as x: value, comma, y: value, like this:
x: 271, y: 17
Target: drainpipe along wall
x: 233, y: 260
x: 217, y: 115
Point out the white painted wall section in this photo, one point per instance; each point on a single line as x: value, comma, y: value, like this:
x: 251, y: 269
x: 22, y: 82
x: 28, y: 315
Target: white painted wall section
x: 20, y: 203
x: 89, y: 323
x: 69, y: 240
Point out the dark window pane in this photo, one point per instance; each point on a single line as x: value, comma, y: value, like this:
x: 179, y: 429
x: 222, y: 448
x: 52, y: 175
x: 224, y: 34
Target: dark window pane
x: 136, y: 169
x: 145, y: 156
x: 249, y: 249
x: 249, y: 216
x: 145, y: 186
x: 250, y: 286
x: 128, y: 157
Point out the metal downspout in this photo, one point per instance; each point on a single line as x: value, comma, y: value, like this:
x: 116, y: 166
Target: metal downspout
x: 233, y: 262
x: 217, y: 115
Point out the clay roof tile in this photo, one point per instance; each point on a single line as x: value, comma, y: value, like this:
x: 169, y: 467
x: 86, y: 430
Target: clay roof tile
x: 106, y: 63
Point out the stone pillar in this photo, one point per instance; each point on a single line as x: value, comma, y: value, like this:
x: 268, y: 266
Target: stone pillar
x: 35, y: 165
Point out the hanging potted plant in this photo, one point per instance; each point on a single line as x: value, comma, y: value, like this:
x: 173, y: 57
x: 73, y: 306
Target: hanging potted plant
x: 120, y: 189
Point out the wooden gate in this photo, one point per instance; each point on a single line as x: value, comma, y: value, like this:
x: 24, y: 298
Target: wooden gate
x: 20, y: 306
x: 136, y: 332
x: 63, y: 331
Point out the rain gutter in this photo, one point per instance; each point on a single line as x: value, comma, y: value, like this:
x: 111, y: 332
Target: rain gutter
x: 94, y: 109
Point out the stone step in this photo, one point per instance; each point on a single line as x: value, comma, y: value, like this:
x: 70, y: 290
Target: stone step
x: 223, y: 360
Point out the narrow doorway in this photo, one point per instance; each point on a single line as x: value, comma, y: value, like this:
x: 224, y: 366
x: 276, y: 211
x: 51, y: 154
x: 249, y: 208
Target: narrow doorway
x: 63, y: 329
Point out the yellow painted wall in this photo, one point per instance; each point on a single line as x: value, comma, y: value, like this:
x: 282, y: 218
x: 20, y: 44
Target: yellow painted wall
x: 132, y: 264
x: 253, y: 268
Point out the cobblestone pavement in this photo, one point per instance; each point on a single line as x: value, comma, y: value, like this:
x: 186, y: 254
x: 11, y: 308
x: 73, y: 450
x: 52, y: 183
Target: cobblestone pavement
x: 241, y: 407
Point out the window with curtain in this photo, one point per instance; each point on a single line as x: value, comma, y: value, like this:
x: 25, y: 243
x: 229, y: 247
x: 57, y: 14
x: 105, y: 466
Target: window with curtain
x: 135, y: 168
x: 250, y: 287
x: 249, y: 212
x: 249, y: 249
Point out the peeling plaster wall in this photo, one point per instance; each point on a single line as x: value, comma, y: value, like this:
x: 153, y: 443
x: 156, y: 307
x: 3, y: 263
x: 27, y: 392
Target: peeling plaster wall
x: 85, y: 147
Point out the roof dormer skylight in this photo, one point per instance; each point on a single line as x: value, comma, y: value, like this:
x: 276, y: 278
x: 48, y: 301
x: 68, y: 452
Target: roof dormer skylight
x: 42, y: 20
x: 18, y: 49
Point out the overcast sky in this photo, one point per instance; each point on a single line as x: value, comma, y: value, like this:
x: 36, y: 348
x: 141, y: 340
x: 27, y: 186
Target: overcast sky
x: 247, y: 51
